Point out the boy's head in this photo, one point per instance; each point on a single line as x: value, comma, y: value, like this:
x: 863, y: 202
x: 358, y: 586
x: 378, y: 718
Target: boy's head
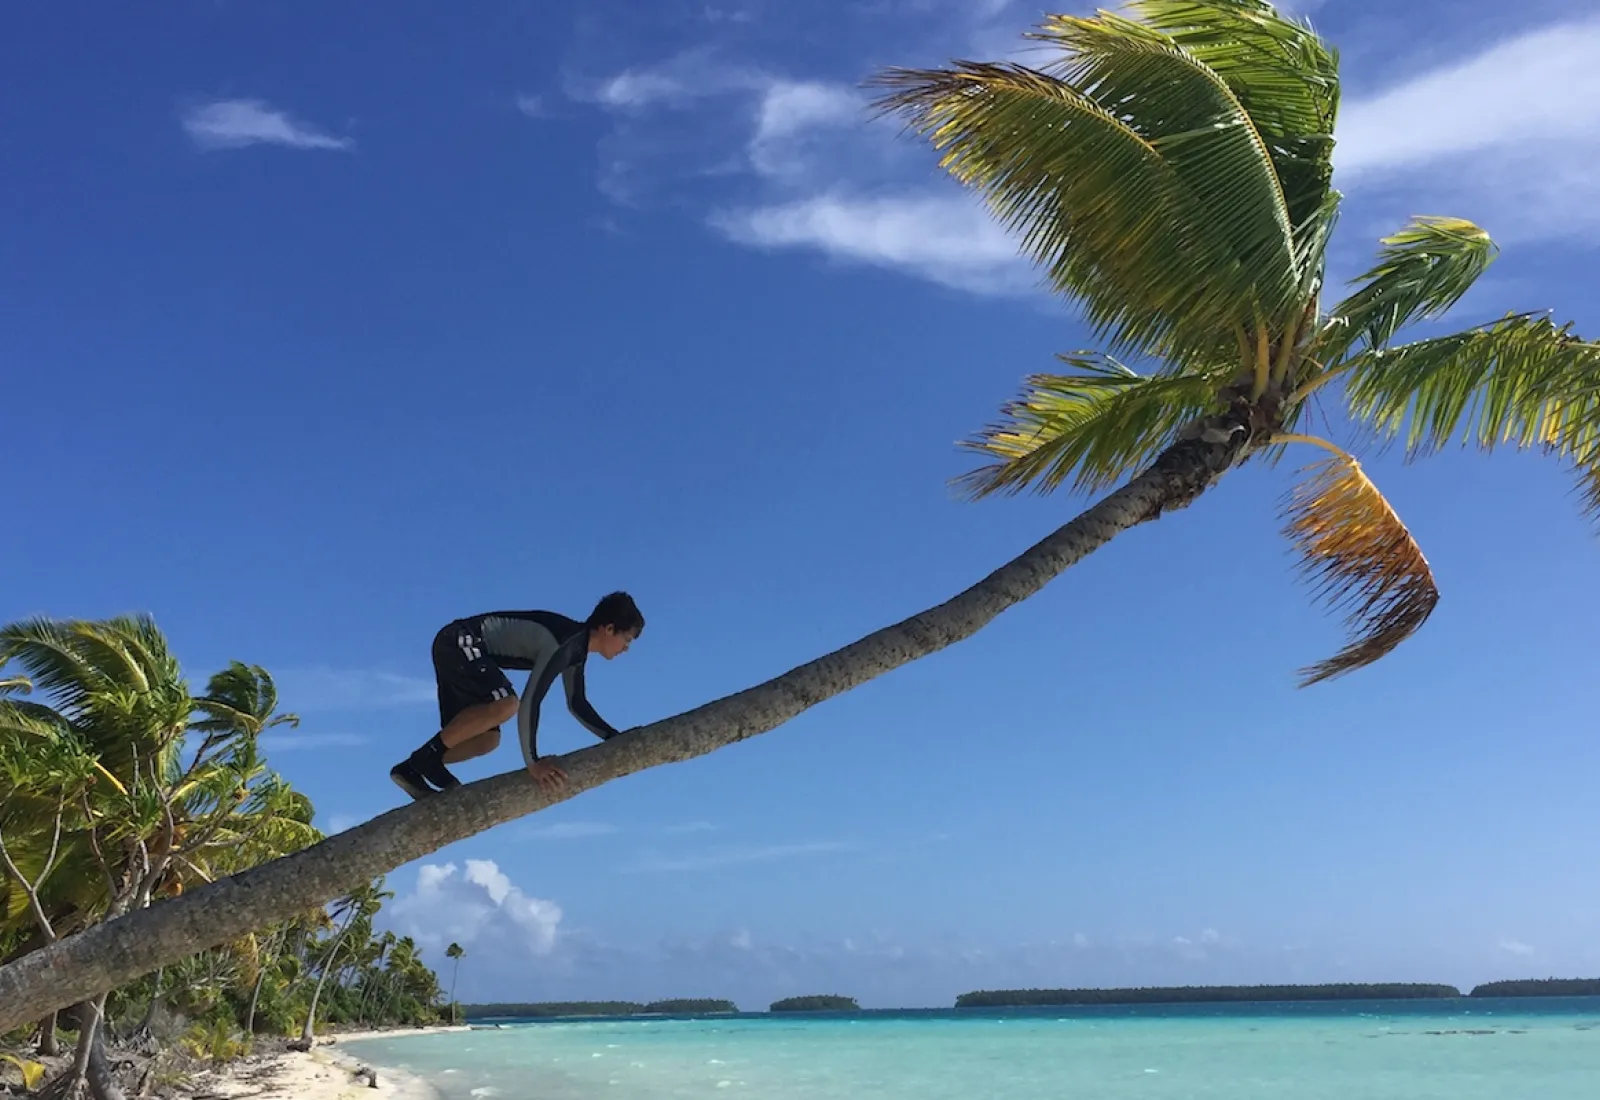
x: 614, y: 624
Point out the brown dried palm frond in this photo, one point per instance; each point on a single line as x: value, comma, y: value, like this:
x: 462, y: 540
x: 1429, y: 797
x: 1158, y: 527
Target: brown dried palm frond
x: 1360, y: 558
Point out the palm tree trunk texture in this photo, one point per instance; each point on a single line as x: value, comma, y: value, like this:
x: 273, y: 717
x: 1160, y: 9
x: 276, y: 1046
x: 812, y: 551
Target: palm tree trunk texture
x: 120, y: 950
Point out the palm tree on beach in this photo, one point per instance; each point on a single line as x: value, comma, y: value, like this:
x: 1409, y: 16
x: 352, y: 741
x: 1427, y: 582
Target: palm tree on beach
x: 119, y: 788
x: 357, y: 908
x: 455, y: 952
x: 1170, y: 172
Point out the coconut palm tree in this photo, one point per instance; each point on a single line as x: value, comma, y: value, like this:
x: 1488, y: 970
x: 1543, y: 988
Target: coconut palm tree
x: 454, y: 952
x: 1170, y: 173
x: 358, y: 908
x: 109, y: 803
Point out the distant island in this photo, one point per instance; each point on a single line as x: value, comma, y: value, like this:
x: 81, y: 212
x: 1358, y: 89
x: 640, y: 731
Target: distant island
x: 1540, y: 987
x: 816, y: 1003
x: 1204, y: 994
x: 1052, y: 998
x: 689, y: 1006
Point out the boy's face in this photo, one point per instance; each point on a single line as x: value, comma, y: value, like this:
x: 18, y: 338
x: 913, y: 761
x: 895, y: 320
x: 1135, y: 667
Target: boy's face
x: 612, y: 643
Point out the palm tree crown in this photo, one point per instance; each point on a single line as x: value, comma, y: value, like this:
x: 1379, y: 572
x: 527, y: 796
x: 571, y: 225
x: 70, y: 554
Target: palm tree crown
x: 1172, y: 173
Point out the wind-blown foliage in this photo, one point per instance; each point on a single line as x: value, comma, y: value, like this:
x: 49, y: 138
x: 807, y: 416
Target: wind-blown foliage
x: 351, y: 973
x: 1172, y: 173
x: 120, y: 788
x: 1359, y: 555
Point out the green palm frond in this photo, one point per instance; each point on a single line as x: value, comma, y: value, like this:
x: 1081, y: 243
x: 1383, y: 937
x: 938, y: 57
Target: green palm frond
x: 46, y: 649
x: 1286, y: 76
x: 1521, y: 381
x: 1421, y: 272
x: 115, y: 647
x: 1090, y: 198
x: 1287, y: 80
x: 1197, y: 122
x: 1093, y: 427
x: 1134, y: 172
x: 240, y: 699
x: 29, y: 721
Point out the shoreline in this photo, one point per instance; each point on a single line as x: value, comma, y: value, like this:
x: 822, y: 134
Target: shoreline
x: 325, y: 1072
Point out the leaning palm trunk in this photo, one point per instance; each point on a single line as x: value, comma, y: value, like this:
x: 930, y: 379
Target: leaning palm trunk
x: 308, y: 1032
x: 255, y: 999
x: 103, y: 1084
x: 84, y: 1067
x: 120, y: 950
x: 148, y: 1019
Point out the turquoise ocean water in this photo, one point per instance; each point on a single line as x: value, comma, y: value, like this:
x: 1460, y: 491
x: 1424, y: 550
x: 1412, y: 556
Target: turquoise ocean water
x: 1443, y: 1050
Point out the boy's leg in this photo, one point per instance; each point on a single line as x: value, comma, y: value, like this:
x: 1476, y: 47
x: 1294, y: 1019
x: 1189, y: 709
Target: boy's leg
x: 479, y: 718
x: 481, y: 745
x: 474, y: 698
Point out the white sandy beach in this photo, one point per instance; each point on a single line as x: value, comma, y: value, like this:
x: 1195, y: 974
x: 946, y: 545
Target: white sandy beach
x: 326, y: 1072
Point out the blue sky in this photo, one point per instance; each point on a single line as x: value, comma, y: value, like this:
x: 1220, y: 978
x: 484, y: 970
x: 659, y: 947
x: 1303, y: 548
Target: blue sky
x: 321, y: 328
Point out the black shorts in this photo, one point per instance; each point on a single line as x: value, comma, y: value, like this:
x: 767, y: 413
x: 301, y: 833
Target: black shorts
x: 465, y: 675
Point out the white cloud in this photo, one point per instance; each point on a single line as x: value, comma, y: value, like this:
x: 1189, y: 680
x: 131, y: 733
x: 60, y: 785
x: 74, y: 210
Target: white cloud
x: 1542, y: 88
x: 323, y: 688
x: 237, y: 123
x: 531, y: 105
x: 725, y: 856
x: 1509, y: 137
x: 480, y: 907
x: 713, y: 14
x: 948, y: 239
x: 788, y: 111
x: 571, y: 830
x: 637, y: 89
x: 1080, y: 941
x: 690, y: 76
x: 1516, y: 947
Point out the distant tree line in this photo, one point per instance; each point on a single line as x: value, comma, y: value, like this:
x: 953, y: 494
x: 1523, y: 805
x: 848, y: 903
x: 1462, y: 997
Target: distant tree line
x: 816, y: 1003
x: 1540, y: 987
x: 686, y: 1006
x: 1204, y: 994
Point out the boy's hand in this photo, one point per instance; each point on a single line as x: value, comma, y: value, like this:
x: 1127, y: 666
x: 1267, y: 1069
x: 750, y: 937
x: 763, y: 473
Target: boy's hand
x: 547, y: 775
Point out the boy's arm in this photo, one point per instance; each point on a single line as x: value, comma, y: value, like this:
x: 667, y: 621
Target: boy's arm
x: 528, y: 724
x: 578, y: 703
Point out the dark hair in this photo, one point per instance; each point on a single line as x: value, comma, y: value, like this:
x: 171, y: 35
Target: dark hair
x: 619, y: 612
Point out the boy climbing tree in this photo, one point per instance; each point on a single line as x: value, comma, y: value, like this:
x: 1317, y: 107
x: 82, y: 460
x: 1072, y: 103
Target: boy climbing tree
x: 470, y: 657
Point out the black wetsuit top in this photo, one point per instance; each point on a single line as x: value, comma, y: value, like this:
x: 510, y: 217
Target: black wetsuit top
x: 546, y: 645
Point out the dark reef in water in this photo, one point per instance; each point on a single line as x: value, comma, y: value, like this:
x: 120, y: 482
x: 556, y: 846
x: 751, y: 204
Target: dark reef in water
x: 1206, y: 994
x: 690, y: 1006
